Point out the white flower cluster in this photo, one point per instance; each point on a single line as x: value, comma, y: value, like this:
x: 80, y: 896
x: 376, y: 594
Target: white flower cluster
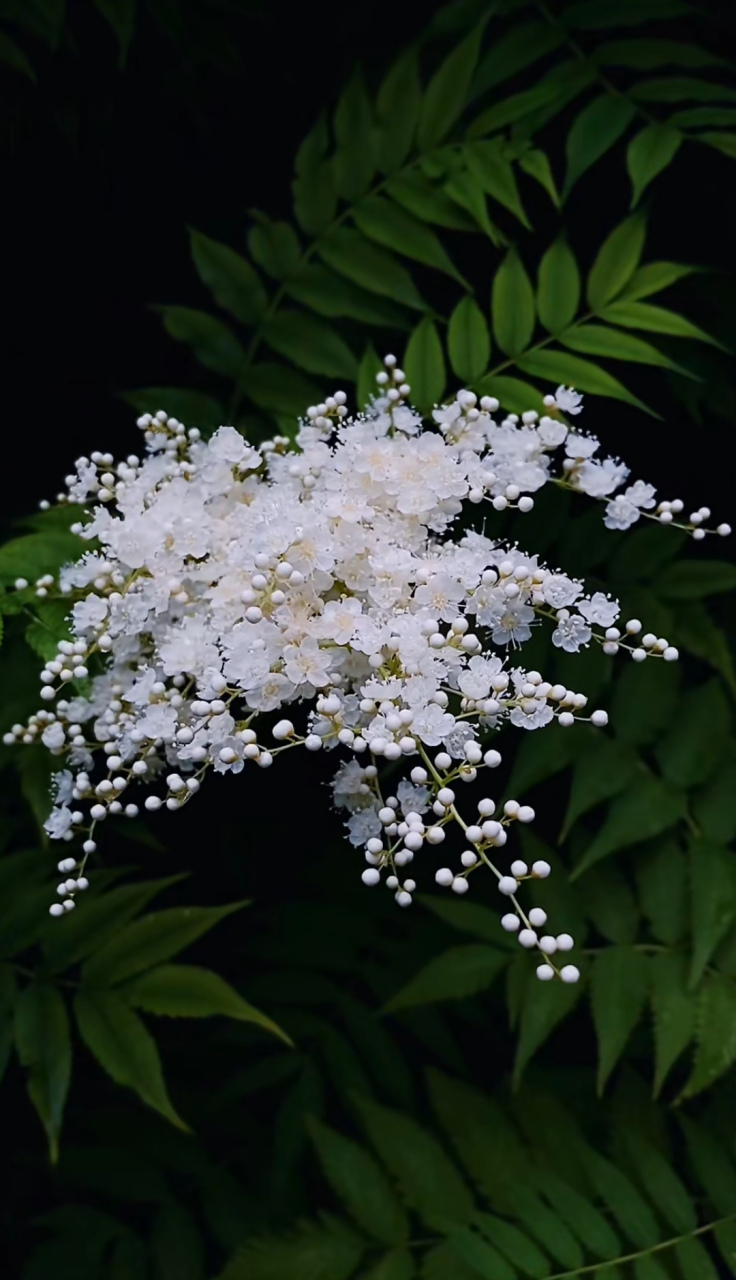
x: 232, y: 582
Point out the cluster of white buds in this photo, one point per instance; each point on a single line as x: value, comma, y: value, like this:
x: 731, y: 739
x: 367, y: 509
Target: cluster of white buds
x: 234, y: 582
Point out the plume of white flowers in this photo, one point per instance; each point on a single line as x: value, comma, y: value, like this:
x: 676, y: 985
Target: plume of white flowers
x: 329, y: 577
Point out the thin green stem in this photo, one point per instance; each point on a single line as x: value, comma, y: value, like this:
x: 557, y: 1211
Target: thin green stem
x: 642, y: 1253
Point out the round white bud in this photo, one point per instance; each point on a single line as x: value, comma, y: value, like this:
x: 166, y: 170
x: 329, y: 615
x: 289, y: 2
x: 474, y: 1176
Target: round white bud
x: 444, y: 877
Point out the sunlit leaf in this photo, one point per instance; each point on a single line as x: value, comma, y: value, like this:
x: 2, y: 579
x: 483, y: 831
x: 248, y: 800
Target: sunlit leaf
x: 616, y: 262
x: 512, y: 305
x: 188, y: 991
x: 372, y: 268
x: 468, y: 340
x: 599, y: 125
x: 392, y: 227
x: 560, y: 367
x: 424, y: 365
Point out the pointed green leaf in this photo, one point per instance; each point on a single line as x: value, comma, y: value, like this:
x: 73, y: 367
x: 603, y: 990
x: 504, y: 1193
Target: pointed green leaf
x: 150, y: 940
x: 428, y: 1181
x: 370, y: 365
x: 331, y: 295
x: 712, y: 1164
x: 693, y: 579
x: 645, y: 54
x: 392, y: 227
x: 280, y: 389
x: 103, y: 916
x: 360, y: 1183
x: 275, y: 246
x: 628, y: 1207
x: 635, y: 686
x: 326, y: 1250
x: 599, y: 340
x: 117, y: 1038
x: 447, y: 91
x: 600, y: 773
x: 480, y: 1255
x: 512, y: 305
x: 232, y: 280
x: 464, y: 189
x: 545, y: 1006
x: 714, y: 807
x: 310, y: 344
x: 642, y: 315
x: 512, y: 52
x: 193, y: 408
x: 560, y: 367
x: 541, y: 756
x: 417, y: 194
x: 397, y: 110
x: 593, y: 133
x: 187, y: 991
x: 698, y: 633
x: 372, y: 268
x: 653, y: 277
x: 514, y: 108
x: 616, y: 261
x: 213, y: 344
x: 44, y: 1047
x: 12, y: 56
x: 516, y: 1246
x: 569, y: 78
x: 725, y: 142
x: 467, y: 917
x: 452, y: 975
x: 703, y: 117
x: 662, y: 1184
x: 713, y: 902
x: 689, y: 753
x: 536, y: 164
x: 588, y: 1223
x: 619, y: 987
x: 681, y: 89
x: 715, y: 1032
x: 468, y: 340
x: 558, y: 287
x: 514, y: 395
x: 121, y: 17
x: 392, y: 1266
x: 494, y: 174
x: 483, y: 1136
x: 661, y: 877
x: 177, y: 1247
x: 353, y: 162
x: 424, y: 365
x: 694, y: 1260
x: 315, y: 199
x: 648, y: 154
x: 642, y: 812
x: 674, y: 1009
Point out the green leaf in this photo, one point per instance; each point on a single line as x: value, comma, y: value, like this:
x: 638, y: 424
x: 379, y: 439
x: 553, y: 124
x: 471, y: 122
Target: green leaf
x: 360, y: 1183
x: 515, y: 396
x: 447, y: 91
x: 187, y: 991
x: 715, y: 1032
x: 353, y: 161
x: 661, y: 875
x: 44, y: 1047
x: 545, y: 1006
x: 703, y: 117
x: 588, y: 1223
x: 610, y: 903
x: 372, y: 268
x: 427, y: 1179
x: 628, y: 1207
x: 714, y: 808
x: 559, y: 366
x: 280, y: 389
x: 644, y: 55
x: 452, y: 975
x: 558, y: 287
x: 644, y: 552
x: 616, y: 261
x: 146, y: 942
x: 392, y: 1266
x: 636, y: 687
x: 315, y: 199
x: 619, y: 988
x: 601, y: 772
x: 651, y: 278
x: 599, y: 340
x: 414, y: 192
x: 512, y: 52
x: 37, y: 553
x: 106, y: 914
x: 593, y: 133
x: 653, y: 148
x: 694, y: 1261
x: 712, y: 1164
x: 516, y: 1246
x: 483, y: 1137
x: 177, y: 1248
x: 275, y: 246
x: 326, y: 1250
x: 370, y: 365
x: 310, y: 344
x: 194, y: 408
x: 117, y: 1038
x: 674, y: 1009
x: 680, y: 89
x: 121, y: 16
x: 662, y: 1184
x: 713, y: 902
x: 333, y: 296
x: 424, y: 365
x: 233, y: 281
x: 642, y: 315
x: 642, y: 812
x: 12, y: 56
x: 392, y: 227
x: 691, y: 750
x: 467, y: 917
x: 512, y: 306
x: 464, y: 189
x: 480, y: 1255
x: 537, y: 166
x: 725, y: 142
x: 698, y: 633
x: 514, y: 108
x: 213, y: 344
x: 694, y: 579
x: 468, y: 340
x: 397, y: 111
x: 494, y: 174
x: 595, y: 15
